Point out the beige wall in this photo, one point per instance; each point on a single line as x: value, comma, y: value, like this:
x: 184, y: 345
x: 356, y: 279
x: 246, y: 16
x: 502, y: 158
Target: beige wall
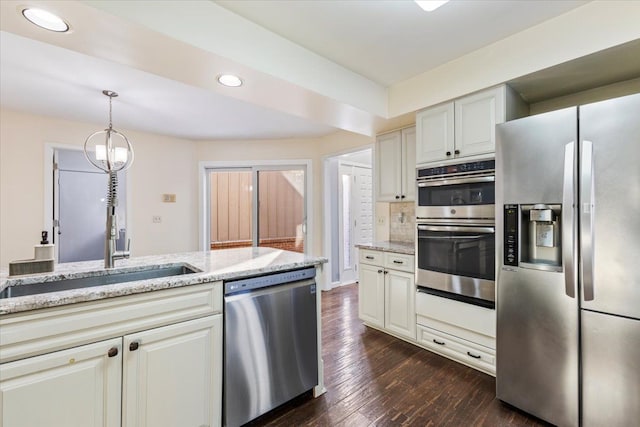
x: 162, y: 165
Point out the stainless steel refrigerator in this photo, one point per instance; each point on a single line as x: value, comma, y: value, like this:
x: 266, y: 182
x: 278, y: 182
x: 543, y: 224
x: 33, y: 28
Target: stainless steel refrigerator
x: 568, y: 261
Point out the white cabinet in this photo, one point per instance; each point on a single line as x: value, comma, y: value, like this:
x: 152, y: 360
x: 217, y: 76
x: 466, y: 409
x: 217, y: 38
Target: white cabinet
x: 371, y: 295
x: 170, y: 375
x: 465, y: 127
x: 77, y: 387
x: 460, y: 331
x: 399, y: 300
x: 156, y: 360
x: 386, y: 292
x: 396, y: 166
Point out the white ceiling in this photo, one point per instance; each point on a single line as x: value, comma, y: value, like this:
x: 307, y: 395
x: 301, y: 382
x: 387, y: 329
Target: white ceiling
x: 370, y: 43
x: 388, y: 41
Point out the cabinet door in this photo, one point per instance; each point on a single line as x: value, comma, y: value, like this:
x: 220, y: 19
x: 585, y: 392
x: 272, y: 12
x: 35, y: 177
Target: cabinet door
x: 173, y: 375
x: 78, y: 387
x: 434, y: 130
x: 371, y: 295
x: 388, y: 167
x: 476, y: 119
x: 399, y: 313
x: 408, y: 164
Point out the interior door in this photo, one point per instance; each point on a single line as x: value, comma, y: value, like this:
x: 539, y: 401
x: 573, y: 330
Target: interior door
x: 356, y: 216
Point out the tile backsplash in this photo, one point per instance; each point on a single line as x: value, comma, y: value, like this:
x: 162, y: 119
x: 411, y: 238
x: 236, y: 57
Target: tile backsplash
x: 402, y: 222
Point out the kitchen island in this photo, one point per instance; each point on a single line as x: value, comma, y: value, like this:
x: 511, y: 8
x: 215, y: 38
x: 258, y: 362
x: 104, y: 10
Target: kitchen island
x: 139, y: 353
x: 228, y: 264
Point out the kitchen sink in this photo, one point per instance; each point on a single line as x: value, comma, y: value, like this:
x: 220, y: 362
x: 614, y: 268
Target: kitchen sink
x: 97, y: 278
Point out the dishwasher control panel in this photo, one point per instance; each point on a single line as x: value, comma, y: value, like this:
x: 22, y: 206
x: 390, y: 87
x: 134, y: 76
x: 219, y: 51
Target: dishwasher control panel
x: 251, y: 283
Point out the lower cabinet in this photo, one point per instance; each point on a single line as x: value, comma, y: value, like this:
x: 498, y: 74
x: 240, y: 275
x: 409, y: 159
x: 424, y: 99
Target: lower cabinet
x: 386, y: 292
x: 78, y: 387
x: 371, y: 295
x: 170, y: 376
x: 163, y: 376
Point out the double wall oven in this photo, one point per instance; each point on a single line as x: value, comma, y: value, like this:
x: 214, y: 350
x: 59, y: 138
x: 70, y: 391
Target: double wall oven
x: 455, y: 241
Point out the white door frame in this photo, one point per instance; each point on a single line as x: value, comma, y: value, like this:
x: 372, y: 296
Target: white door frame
x: 326, y: 208
x: 48, y: 211
x: 204, y: 233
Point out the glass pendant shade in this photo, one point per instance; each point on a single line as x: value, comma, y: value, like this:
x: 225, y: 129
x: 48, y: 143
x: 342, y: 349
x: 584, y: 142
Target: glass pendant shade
x: 108, y: 149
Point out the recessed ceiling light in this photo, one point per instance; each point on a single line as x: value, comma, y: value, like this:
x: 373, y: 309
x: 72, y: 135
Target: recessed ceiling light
x: 229, y: 80
x: 46, y: 20
x: 430, y: 5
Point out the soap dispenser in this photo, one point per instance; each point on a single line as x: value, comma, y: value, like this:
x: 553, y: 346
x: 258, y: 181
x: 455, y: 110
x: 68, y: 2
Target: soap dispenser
x: 45, y: 249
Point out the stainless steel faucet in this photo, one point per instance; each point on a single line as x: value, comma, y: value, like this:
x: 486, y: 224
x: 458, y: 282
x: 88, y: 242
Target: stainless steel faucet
x: 110, y: 252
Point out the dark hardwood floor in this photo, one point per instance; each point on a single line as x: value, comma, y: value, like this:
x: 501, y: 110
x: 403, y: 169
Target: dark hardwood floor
x: 375, y: 379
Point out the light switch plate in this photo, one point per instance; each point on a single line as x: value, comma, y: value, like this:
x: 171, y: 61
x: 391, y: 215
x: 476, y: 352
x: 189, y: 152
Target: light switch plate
x: 168, y: 198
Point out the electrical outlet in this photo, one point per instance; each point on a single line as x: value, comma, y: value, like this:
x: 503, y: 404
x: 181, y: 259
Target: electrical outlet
x: 380, y: 220
x: 157, y: 219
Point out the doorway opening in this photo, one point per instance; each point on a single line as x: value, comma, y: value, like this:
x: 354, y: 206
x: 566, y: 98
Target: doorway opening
x: 348, y: 218
x: 262, y: 205
x: 76, y: 205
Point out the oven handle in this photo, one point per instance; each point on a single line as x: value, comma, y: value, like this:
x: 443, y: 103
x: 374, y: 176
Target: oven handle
x: 480, y: 236
x: 455, y: 181
x: 486, y: 230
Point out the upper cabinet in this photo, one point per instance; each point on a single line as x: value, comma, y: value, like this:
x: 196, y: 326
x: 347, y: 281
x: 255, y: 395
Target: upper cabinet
x: 466, y: 126
x: 395, y: 166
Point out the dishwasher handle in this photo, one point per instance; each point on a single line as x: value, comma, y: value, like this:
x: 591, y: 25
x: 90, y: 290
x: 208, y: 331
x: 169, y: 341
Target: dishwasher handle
x: 240, y: 295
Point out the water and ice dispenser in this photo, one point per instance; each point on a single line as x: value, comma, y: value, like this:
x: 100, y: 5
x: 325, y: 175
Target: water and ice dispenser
x: 532, y: 235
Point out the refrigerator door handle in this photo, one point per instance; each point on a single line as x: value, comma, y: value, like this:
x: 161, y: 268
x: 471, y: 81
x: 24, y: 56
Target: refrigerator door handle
x: 586, y: 220
x: 568, y: 223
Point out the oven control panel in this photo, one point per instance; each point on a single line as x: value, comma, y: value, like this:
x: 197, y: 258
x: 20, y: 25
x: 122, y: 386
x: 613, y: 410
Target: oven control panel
x: 511, y: 235
x: 485, y: 165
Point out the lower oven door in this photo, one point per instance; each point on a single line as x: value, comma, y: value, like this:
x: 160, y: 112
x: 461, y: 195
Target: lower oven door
x: 458, y: 260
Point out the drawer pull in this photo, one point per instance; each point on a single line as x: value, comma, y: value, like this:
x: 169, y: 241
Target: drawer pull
x: 475, y: 356
x: 134, y: 346
x: 113, y: 352
x: 369, y: 257
x: 395, y: 261
x: 379, y: 271
x: 438, y: 342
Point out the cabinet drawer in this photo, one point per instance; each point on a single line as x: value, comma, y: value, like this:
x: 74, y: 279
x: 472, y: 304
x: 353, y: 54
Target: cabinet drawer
x: 50, y: 329
x: 368, y: 256
x: 400, y: 262
x: 466, y: 352
x: 477, y: 324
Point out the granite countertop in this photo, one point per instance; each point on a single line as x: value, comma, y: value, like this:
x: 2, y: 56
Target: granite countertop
x: 407, y: 248
x: 213, y: 265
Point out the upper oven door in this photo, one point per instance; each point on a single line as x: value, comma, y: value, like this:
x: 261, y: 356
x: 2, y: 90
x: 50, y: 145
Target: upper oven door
x: 467, y: 251
x: 463, y: 197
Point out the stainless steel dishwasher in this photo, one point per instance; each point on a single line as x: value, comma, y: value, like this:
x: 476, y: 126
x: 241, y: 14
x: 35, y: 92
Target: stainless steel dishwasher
x: 271, y: 346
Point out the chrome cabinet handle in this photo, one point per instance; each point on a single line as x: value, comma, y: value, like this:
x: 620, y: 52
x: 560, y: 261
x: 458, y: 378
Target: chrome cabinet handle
x: 568, y: 224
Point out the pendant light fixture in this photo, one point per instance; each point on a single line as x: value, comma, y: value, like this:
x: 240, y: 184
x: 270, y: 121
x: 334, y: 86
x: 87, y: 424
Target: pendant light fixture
x: 111, y: 152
